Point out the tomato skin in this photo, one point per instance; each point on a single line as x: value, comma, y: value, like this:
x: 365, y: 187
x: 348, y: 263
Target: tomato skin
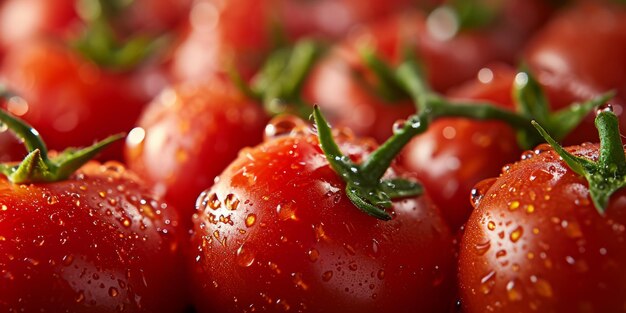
x: 536, y: 243
x: 283, y: 235
x: 348, y: 103
x: 71, y: 101
x: 21, y: 20
x: 241, y: 33
x: 98, y: 242
x: 188, y: 135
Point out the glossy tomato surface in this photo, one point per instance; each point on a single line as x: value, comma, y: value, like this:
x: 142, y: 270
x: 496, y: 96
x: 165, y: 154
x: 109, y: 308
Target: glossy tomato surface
x: 69, y: 100
x: 98, y: 242
x: 188, y: 135
x: 277, y: 233
x: 536, y: 242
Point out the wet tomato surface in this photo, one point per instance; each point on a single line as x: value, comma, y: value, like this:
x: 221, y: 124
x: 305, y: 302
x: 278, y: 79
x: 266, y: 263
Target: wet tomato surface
x: 97, y: 242
x: 536, y: 243
x: 188, y: 135
x: 277, y: 233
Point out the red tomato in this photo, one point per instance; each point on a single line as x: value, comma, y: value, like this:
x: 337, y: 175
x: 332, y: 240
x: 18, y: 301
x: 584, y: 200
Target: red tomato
x: 277, y: 232
x: 70, y: 100
x: 21, y: 20
x: 97, y: 242
x: 559, y: 61
x: 188, y: 135
x: 536, y: 243
x: 456, y: 153
x: 243, y: 32
x: 341, y: 83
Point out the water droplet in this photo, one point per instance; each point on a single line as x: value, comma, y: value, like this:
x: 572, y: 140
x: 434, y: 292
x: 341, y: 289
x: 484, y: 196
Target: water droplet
x: 572, y: 229
x: 231, y: 202
x: 283, y: 125
x: 326, y: 276
x: 245, y: 258
x: 125, y: 221
x: 113, y: 292
x: 299, y: 282
x: 482, y: 248
x: 380, y: 274
x: 479, y: 191
x: 213, y: 201
x: 80, y: 297
x: 513, y: 205
x: 500, y: 253
x: 398, y: 126
x: 514, y: 290
x: 604, y: 108
x: 313, y: 255
x: 491, y: 225
x: 286, y: 212
x: 250, y: 220
x: 542, y: 286
x: 4, y: 208
x: 530, y: 208
x: 487, y: 282
x: 516, y: 234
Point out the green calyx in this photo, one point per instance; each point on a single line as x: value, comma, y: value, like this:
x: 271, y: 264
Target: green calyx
x: 37, y: 166
x: 279, y: 83
x: 608, y: 174
x: 100, y: 44
x: 364, y: 184
x: 531, y: 102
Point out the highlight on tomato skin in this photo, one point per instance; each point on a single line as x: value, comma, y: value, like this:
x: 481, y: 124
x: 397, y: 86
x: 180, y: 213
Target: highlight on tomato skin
x: 188, y: 134
x: 277, y: 232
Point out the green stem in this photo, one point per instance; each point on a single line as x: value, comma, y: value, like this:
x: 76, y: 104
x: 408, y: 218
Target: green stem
x: 608, y: 174
x: 612, y: 149
x: 37, y: 166
x: 379, y: 161
x: 26, y: 133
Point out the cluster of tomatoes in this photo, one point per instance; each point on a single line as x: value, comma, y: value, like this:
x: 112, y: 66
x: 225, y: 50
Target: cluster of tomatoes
x: 231, y: 193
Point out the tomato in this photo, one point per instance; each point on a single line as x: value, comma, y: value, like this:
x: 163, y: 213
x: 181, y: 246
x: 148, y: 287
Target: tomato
x: 277, y: 232
x: 188, y: 135
x: 70, y: 100
x: 344, y: 85
x: 24, y: 19
x: 555, y: 55
x: 98, y: 242
x: 242, y: 33
x: 540, y: 240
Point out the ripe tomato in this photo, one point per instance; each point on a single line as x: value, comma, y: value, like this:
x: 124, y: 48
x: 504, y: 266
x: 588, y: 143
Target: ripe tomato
x: 344, y: 85
x: 21, y: 20
x: 559, y: 62
x: 277, y: 232
x: 70, y: 100
x: 97, y: 242
x: 188, y: 135
x: 536, y: 243
x: 243, y: 32
x: 456, y: 153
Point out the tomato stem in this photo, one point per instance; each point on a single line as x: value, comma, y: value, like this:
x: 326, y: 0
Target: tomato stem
x: 37, y: 166
x: 364, y: 186
x: 608, y: 174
